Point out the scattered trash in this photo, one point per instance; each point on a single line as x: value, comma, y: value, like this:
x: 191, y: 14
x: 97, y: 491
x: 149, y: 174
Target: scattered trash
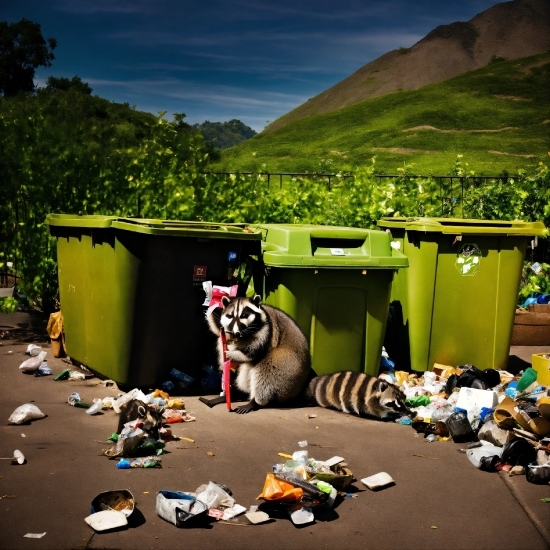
x: 34, y: 535
x: 302, y: 443
x: 260, y: 517
x: 95, y: 408
x: 43, y: 370
x: 106, y: 520
x: 111, y: 510
x: 63, y: 375
x: 33, y: 364
x: 17, y: 458
x: 147, y: 462
x: 302, y: 516
x: 33, y: 350
x: 24, y: 413
x: 378, y: 481
x: 504, y: 418
x: 545, y: 500
x: 75, y: 401
x: 180, y: 508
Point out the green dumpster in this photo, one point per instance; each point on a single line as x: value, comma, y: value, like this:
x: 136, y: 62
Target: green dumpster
x: 131, y: 291
x: 335, y: 283
x: 456, y: 302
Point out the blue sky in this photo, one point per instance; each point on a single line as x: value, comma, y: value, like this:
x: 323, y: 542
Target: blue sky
x: 218, y: 60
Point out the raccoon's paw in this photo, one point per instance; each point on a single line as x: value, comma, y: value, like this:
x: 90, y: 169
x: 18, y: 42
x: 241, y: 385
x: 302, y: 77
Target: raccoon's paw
x: 244, y: 409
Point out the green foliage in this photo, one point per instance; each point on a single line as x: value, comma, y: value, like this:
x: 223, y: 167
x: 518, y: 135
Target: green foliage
x: 495, y: 116
x: 8, y: 305
x: 225, y: 134
x: 68, y: 152
x: 534, y: 282
x: 62, y: 84
x: 22, y: 50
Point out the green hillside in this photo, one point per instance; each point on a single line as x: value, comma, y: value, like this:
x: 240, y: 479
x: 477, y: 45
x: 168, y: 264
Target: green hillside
x: 498, y: 117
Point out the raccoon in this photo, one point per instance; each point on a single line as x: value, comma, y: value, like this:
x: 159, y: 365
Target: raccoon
x: 272, y: 351
x: 149, y: 416
x: 357, y: 393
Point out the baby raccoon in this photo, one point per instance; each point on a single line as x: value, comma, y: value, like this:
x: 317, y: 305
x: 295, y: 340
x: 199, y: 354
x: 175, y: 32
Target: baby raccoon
x: 271, y: 350
x: 357, y: 393
x: 149, y: 416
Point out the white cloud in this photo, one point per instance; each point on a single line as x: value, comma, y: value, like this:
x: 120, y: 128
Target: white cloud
x: 227, y: 96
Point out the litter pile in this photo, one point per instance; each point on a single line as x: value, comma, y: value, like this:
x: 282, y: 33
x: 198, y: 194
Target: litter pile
x: 299, y: 488
x: 504, y: 418
x: 303, y: 486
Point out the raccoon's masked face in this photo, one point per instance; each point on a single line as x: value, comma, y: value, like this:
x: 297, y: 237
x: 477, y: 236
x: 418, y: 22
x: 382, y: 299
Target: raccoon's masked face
x: 392, y: 399
x: 151, y: 418
x: 241, y: 317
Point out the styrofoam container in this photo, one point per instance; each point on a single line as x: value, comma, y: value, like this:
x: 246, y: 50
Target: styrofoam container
x: 378, y: 481
x: 472, y: 398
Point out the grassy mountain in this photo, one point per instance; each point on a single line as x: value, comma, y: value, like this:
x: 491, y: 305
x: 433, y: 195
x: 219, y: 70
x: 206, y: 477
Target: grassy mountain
x: 498, y: 117
x: 508, y: 30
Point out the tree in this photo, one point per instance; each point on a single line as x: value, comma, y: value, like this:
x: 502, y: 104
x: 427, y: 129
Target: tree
x: 22, y: 50
x: 62, y: 84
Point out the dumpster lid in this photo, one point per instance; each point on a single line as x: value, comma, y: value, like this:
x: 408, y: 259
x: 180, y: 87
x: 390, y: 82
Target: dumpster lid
x: 458, y: 226
x: 73, y: 220
x: 178, y: 228
x: 158, y: 227
x: 310, y: 246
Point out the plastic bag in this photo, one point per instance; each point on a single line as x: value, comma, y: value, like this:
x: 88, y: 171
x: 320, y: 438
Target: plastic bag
x: 214, y: 496
x: 276, y: 489
x: 487, y: 450
x: 128, y: 441
x: 33, y: 350
x: 25, y: 412
x: 32, y: 364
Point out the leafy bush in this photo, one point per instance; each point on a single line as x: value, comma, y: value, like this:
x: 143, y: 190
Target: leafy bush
x: 69, y: 152
x: 534, y: 282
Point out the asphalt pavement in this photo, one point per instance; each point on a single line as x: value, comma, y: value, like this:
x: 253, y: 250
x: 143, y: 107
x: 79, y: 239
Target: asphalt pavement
x: 439, y: 500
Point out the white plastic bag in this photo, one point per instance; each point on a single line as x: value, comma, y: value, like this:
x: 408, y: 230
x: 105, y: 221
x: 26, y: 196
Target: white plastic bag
x: 33, y: 350
x: 214, y: 496
x: 486, y: 450
x: 25, y: 412
x: 33, y: 364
